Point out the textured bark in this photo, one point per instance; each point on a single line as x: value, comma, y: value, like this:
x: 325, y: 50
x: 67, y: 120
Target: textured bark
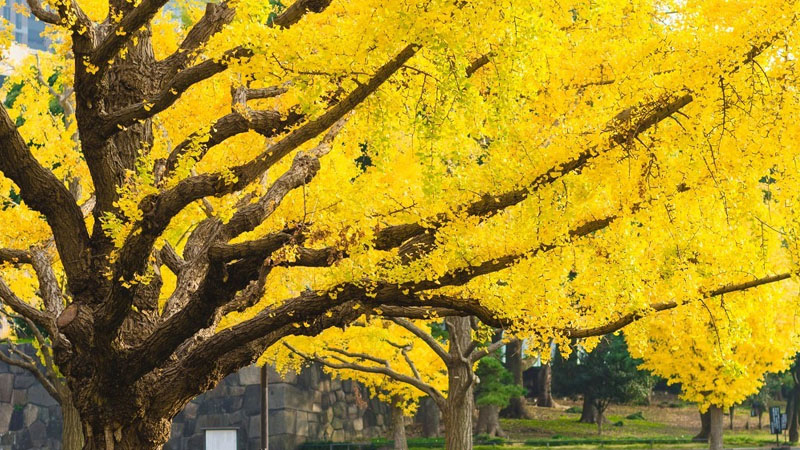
x: 72, y: 433
x: 457, y: 413
x: 489, y: 421
x: 716, y: 419
x: 705, y: 427
x: 399, y: 429
x: 545, y: 398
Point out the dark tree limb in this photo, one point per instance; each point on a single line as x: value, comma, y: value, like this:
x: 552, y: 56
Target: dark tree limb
x: 426, y: 337
x: 43, y: 192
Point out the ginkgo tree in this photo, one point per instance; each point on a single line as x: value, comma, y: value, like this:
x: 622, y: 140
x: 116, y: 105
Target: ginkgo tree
x: 401, y: 361
x: 720, y: 351
x: 252, y: 170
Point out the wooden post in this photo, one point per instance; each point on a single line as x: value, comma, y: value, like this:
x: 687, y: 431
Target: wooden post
x: 264, y: 408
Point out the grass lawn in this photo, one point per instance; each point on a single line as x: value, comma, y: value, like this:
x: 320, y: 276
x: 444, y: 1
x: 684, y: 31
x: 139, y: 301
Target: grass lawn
x: 667, y: 423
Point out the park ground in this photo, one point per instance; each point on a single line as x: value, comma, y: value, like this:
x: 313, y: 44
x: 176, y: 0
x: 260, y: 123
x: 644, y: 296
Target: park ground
x: 667, y: 423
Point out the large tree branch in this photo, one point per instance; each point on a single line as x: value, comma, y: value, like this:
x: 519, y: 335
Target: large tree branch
x: 632, y: 317
x: 15, y: 256
x: 429, y: 340
x: 22, y: 308
x: 170, y: 93
x: 43, y: 192
x: 45, y: 15
x: 120, y: 33
x: 385, y: 370
x: 48, y: 283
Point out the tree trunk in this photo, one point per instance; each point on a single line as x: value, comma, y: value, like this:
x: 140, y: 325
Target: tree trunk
x: 793, y: 414
x: 72, y: 431
x: 489, y: 421
x: 139, y: 435
x: 513, y: 363
x: 458, y: 425
x: 459, y: 405
x: 399, y: 428
x: 429, y: 415
x: 731, y: 410
x: 589, y: 412
x: 715, y: 434
x: 545, y: 398
x: 705, y: 427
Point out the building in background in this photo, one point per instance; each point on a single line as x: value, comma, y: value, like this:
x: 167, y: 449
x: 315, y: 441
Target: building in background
x: 27, y: 36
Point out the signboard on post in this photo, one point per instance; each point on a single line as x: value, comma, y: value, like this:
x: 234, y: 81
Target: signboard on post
x: 775, y: 425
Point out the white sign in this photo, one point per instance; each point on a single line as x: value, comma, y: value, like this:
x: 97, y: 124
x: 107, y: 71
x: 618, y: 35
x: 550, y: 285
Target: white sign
x: 220, y: 439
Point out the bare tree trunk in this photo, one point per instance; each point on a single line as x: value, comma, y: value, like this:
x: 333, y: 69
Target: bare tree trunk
x: 705, y: 427
x: 545, y: 398
x: 460, y: 401
x: 516, y: 407
x: 731, y: 410
x: 399, y: 428
x: 72, y: 431
x: 793, y: 405
x: 458, y: 425
x: 489, y: 421
x: 715, y: 434
x: 429, y: 415
x: 589, y: 413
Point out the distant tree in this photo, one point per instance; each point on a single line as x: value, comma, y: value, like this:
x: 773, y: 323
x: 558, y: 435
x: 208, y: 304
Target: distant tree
x: 606, y: 375
x: 494, y: 391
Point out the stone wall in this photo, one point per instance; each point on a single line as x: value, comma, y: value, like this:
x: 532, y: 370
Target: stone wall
x: 305, y: 407
x: 30, y: 419
x: 309, y: 406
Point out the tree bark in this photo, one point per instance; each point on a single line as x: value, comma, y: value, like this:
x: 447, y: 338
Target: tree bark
x: 731, y: 410
x: 793, y: 411
x: 716, y: 425
x: 489, y: 421
x: 545, y: 398
x: 399, y: 429
x: 513, y: 363
x: 589, y: 413
x: 705, y: 427
x: 429, y: 414
x: 458, y: 425
x: 460, y: 400
x: 72, y: 431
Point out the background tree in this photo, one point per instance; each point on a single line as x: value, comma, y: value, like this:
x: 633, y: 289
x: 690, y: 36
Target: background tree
x: 507, y: 142
x: 720, y: 368
x: 442, y: 367
x: 607, y: 374
x: 494, y: 391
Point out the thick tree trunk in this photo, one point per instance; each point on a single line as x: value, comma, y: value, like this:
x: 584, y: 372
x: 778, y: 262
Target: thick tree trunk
x: 589, y: 413
x: 715, y: 434
x: 489, y: 421
x: 460, y: 401
x: 72, y: 431
x: 399, y: 429
x: 545, y: 398
x: 705, y: 427
x: 139, y: 435
x: 429, y: 414
x: 458, y: 425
